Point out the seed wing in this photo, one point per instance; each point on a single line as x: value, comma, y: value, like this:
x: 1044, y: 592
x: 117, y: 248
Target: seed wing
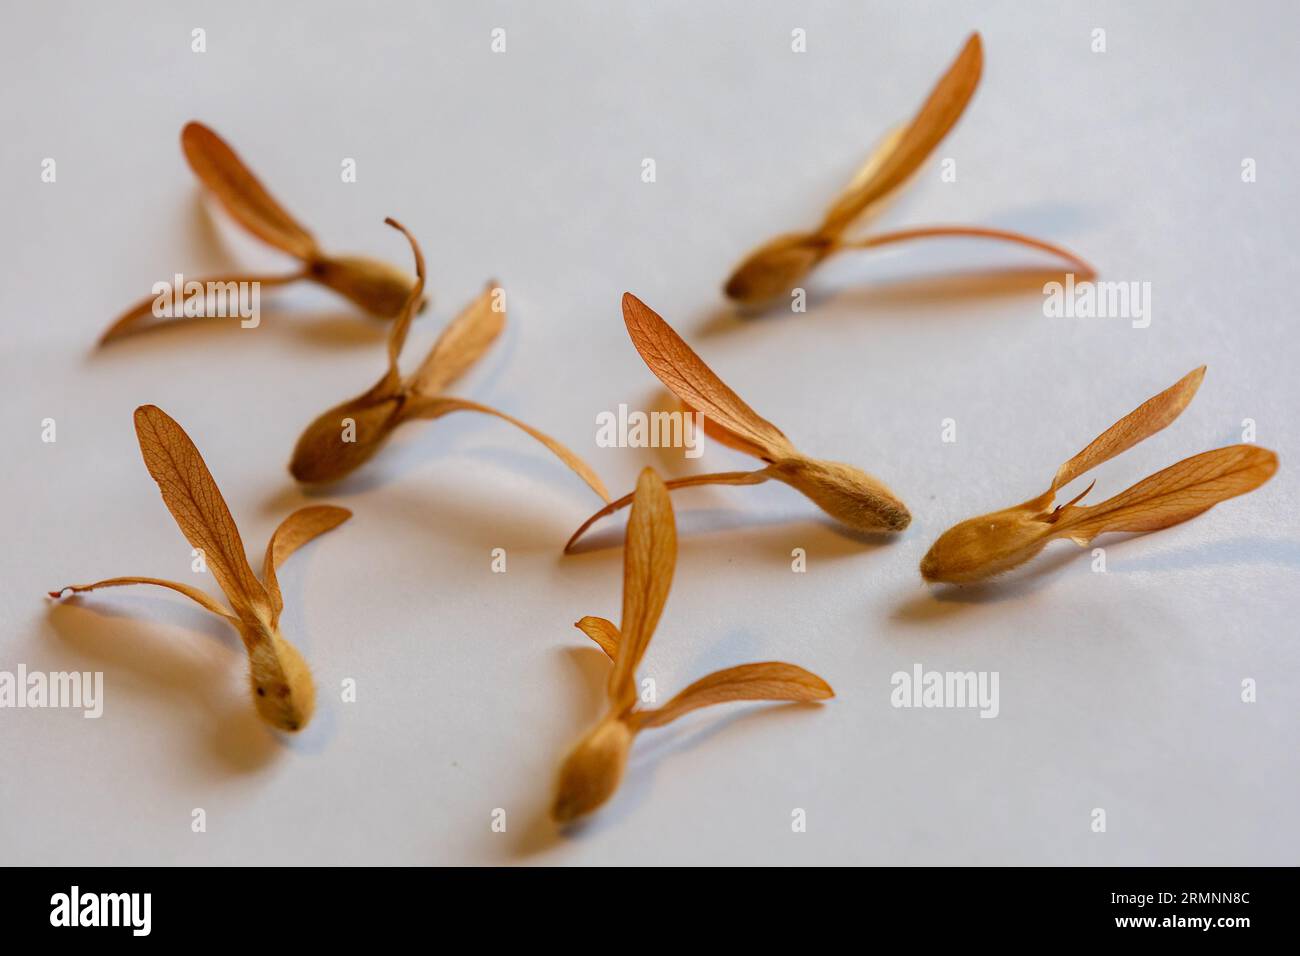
x: 437, y: 407
x: 764, y: 681
x: 1176, y: 494
x: 295, y: 531
x: 222, y: 171
x: 200, y: 512
x: 201, y: 598
x: 603, y: 632
x: 402, y: 324
x: 684, y: 373
x: 461, y: 344
x: 1138, y: 425
x: 890, y: 167
x: 649, y: 557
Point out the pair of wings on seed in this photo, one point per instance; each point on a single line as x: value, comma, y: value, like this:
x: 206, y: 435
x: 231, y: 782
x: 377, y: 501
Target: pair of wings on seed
x: 195, y: 502
x: 649, y: 558
x: 1170, y: 496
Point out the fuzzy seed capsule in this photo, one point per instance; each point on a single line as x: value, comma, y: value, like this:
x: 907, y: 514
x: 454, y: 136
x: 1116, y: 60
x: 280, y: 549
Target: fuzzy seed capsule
x: 343, y: 439
x: 283, y: 691
x: 847, y: 494
x: 775, y: 268
x: 379, y: 288
x: 986, y: 546
x: 592, y: 771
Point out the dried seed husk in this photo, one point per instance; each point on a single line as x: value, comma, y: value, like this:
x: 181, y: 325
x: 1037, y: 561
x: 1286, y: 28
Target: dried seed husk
x: 592, y: 771
x: 379, y: 288
x: 991, y: 544
x: 280, y: 681
x: 777, y: 266
x: 322, y: 454
x: 846, y: 493
x: 980, y: 548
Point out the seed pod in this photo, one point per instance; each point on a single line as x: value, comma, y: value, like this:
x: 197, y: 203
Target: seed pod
x: 844, y: 492
x: 592, y: 771
x: 279, y: 679
x: 847, y: 494
x: 377, y: 287
x: 346, y: 436
x: 777, y: 266
x: 980, y: 548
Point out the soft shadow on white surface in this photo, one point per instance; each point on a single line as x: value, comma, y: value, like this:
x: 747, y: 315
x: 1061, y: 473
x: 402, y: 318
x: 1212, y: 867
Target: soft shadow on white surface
x: 652, y: 753
x: 113, y: 640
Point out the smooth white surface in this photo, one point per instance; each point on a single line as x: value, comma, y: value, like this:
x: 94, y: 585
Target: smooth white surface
x: 1118, y: 690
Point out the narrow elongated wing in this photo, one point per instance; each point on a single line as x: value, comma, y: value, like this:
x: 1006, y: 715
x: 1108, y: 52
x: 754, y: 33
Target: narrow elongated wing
x: 295, y: 531
x: 201, y: 513
x: 223, y: 172
x: 769, y: 680
x: 649, y: 557
x: 1138, y: 425
x: 684, y: 374
x: 1176, y: 494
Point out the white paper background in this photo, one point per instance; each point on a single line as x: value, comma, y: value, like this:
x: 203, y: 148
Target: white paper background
x: 1118, y: 690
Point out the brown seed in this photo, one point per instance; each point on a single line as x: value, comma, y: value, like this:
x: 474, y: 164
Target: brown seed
x: 279, y: 678
x: 592, y: 771
x: 346, y: 436
x: 847, y: 494
x: 375, y: 286
x: 980, y: 548
x: 777, y: 266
